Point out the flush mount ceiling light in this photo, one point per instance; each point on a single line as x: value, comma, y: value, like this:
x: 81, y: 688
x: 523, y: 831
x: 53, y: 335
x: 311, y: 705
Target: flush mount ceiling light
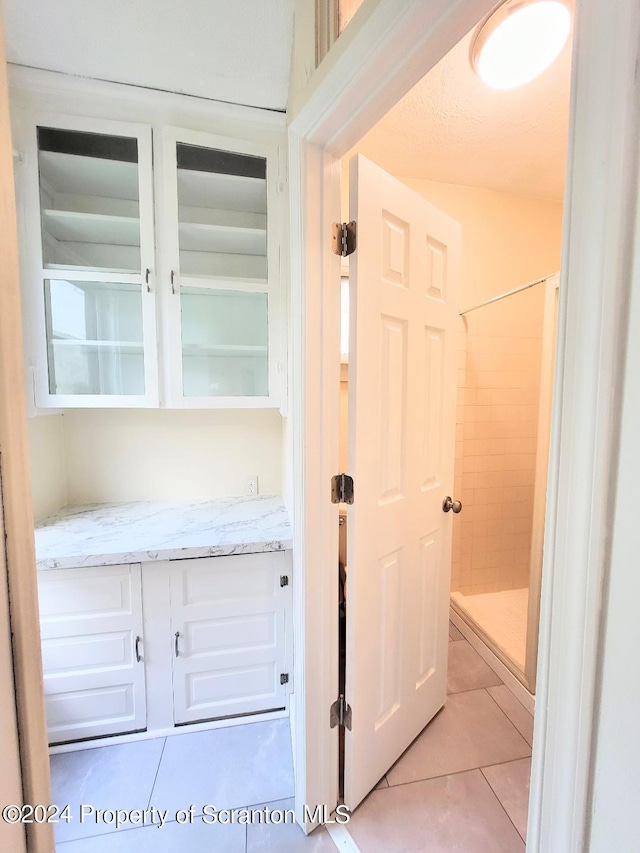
x: 518, y: 41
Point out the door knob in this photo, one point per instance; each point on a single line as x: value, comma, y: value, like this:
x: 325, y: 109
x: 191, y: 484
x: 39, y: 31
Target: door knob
x: 448, y: 504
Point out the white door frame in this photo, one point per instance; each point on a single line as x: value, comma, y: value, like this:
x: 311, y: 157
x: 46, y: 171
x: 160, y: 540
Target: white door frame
x: 386, y: 49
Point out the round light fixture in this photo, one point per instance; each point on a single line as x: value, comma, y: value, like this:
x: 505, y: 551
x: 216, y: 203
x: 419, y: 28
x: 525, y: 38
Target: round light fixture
x: 519, y: 40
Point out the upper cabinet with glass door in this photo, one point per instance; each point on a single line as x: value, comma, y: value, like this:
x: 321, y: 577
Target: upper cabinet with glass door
x: 94, y: 307
x: 222, y: 348
x: 113, y: 244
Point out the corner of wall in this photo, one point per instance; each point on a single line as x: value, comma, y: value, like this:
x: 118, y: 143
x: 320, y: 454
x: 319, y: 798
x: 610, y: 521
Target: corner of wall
x: 47, y: 462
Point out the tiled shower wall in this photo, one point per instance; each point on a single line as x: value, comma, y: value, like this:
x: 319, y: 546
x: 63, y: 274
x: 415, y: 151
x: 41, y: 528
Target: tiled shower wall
x: 496, y: 434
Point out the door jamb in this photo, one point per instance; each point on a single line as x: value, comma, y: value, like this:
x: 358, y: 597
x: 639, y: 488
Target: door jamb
x: 384, y: 51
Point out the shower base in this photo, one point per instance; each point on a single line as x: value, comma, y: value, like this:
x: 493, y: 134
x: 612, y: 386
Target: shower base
x: 501, y: 615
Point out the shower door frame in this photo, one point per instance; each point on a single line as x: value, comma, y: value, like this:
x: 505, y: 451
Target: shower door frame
x: 545, y: 399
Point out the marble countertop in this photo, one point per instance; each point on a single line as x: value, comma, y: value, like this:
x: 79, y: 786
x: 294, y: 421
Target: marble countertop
x: 145, y: 531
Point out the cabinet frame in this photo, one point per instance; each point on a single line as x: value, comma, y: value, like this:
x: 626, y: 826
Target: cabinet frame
x: 34, y: 272
x: 169, y: 292
x: 158, y: 252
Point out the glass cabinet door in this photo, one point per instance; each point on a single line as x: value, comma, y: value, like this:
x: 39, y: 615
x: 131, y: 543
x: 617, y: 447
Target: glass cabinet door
x: 97, y: 256
x: 221, y: 278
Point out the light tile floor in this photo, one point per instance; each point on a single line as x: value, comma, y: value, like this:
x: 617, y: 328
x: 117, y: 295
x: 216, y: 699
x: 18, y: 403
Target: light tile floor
x: 461, y: 786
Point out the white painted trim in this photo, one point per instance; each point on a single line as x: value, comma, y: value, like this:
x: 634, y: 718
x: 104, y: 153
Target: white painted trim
x: 501, y: 670
x: 169, y: 731
x: 315, y: 452
x: 36, y: 85
x: 385, y: 51
x: 600, y: 212
x: 342, y: 838
x: 314, y: 182
x: 326, y: 27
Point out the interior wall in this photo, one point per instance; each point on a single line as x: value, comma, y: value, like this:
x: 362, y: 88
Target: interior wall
x: 496, y: 469
x: 170, y: 455
x: 507, y: 240
x: 47, y: 464
x: 131, y: 455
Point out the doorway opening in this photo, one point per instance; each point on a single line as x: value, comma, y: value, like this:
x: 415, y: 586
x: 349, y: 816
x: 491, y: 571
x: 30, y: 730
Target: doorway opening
x: 495, y: 163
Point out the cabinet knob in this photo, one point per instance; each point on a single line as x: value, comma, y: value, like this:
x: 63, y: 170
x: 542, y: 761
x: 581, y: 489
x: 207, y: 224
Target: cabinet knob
x: 138, y: 655
x: 177, y: 649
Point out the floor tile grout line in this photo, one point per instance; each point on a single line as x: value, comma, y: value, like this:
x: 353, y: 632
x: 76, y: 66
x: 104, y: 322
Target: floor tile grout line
x: 495, y: 794
x: 470, y: 689
x: 531, y: 713
x: 155, y: 778
x: 444, y: 775
x: 509, y: 761
x: 526, y: 740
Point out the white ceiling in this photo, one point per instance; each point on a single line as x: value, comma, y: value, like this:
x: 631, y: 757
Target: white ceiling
x: 453, y: 128
x: 229, y: 50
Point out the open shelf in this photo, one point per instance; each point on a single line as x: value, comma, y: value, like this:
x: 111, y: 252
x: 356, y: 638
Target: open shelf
x: 72, y: 227
x: 99, y: 346
x: 85, y: 268
x: 226, y: 239
x: 226, y: 192
x: 224, y: 351
x: 223, y: 282
x: 70, y: 173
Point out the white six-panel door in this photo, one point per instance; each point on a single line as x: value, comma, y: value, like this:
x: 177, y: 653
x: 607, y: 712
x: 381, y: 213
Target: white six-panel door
x: 404, y: 279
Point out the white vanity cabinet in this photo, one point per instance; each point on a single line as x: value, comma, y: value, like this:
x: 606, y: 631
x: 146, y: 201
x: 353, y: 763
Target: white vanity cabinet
x: 91, y: 630
x: 150, y: 265
x: 229, y: 622
x: 156, y: 645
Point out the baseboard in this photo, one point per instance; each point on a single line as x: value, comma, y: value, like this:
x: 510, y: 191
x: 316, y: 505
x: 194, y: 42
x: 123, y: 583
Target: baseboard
x: 93, y: 743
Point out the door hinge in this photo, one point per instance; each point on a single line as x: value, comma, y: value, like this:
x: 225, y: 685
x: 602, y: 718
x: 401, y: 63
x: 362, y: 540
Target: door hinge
x: 340, y: 713
x: 342, y: 489
x: 284, y: 678
x: 284, y: 580
x: 344, y: 238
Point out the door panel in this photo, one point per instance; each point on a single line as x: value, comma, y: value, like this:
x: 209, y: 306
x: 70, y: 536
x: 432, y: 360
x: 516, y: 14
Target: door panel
x: 404, y: 280
x: 89, y: 621
x: 231, y: 640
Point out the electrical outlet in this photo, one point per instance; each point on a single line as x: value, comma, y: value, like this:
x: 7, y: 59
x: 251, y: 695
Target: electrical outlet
x: 251, y: 485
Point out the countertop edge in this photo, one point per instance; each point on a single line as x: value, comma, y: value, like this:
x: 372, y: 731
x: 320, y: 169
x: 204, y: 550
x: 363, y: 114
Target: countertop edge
x: 81, y: 561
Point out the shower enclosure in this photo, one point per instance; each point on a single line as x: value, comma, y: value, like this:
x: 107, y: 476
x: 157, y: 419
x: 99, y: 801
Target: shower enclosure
x: 505, y: 382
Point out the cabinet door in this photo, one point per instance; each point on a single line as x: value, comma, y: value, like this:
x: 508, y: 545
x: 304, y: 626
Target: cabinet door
x: 90, y: 622
x: 222, y: 281
x: 232, y: 637
x: 89, y: 262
